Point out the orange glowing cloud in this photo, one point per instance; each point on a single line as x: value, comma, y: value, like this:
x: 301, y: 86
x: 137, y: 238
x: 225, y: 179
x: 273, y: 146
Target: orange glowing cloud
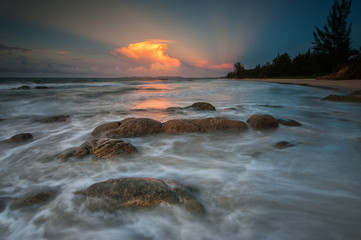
x: 150, y: 55
x: 205, y: 64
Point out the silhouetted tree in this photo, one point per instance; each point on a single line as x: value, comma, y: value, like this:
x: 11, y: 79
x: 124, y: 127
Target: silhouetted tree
x: 334, y: 41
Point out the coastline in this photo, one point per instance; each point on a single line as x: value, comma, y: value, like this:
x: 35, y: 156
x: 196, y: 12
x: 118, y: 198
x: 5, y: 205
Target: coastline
x: 346, y: 86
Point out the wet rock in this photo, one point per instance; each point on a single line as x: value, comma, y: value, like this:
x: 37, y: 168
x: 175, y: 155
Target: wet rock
x: 187, y: 199
x: 100, y: 130
x: 211, y: 124
x: 179, y: 126
x: 134, y: 127
x: 23, y: 88
x: 262, y: 121
x: 202, y: 106
x: 101, y: 148
x: 67, y: 154
x: 35, y: 198
x: 174, y: 109
x: 21, y: 137
x: 283, y: 145
x: 289, y: 122
x: 341, y: 98
x: 133, y: 193
x: 41, y: 87
x: 52, y: 119
x: 107, y: 148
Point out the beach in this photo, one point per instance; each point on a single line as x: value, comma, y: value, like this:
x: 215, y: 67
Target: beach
x: 340, y: 85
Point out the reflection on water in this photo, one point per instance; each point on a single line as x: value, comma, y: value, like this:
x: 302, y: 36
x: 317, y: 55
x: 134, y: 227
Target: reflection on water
x: 250, y: 189
x: 152, y: 98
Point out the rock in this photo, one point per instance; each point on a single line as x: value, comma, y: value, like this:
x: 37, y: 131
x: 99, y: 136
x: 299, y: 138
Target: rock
x: 23, y: 88
x: 187, y: 199
x: 134, y: 127
x: 67, y: 154
x: 210, y: 124
x: 341, y: 98
x: 133, y: 193
x: 107, y: 148
x: 101, y: 148
x: 41, y: 87
x: 262, y: 121
x: 52, y: 119
x: 202, y: 106
x: 100, y: 130
x: 283, y: 145
x: 179, y: 126
x: 21, y: 137
x: 35, y: 198
x: 289, y: 122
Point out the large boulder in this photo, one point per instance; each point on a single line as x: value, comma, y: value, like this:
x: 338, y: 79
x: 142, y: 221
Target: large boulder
x: 21, y: 137
x: 179, y: 126
x: 131, y: 127
x: 107, y: 148
x: 130, y: 193
x: 209, y: 124
x: 106, y: 127
x: 99, y: 147
x: 262, y: 121
x: 202, y: 106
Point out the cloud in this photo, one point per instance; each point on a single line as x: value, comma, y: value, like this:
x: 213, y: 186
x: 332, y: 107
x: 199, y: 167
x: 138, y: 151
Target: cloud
x: 149, y: 57
x: 205, y: 64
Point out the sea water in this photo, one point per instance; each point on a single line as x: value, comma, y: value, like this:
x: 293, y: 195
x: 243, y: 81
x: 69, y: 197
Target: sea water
x: 250, y: 189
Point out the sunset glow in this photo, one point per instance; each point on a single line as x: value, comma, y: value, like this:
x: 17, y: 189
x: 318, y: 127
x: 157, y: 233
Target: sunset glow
x: 205, y: 64
x: 149, y: 55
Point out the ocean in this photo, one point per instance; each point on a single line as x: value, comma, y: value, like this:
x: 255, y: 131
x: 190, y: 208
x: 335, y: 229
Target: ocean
x: 249, y: 188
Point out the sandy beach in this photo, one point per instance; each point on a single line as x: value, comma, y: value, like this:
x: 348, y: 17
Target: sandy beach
x: 341, y: 85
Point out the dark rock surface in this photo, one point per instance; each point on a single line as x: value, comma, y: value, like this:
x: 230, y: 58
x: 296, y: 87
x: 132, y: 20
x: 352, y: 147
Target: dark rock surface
x: 52, y: 119
x: 342, y: 98
x: 283, y: 145
x: 262, y: 122
x: 133, y: 127
x: 101, y: 129
x: 41, y: 87
x: 35, y: 198
x: 130, y: 193
x: 23, y: 88
x: 217, y: 124
x: 100, y: 148
x: 179, y: 126
x: 289, y: 122
x: 107, y: 148
x: 202, y: 106
x: 21, y: 137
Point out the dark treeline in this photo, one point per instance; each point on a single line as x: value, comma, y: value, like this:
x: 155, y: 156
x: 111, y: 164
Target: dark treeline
x: 331, y: 51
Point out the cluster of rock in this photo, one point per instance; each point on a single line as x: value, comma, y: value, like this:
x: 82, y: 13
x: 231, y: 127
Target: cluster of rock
x: 125, y: 193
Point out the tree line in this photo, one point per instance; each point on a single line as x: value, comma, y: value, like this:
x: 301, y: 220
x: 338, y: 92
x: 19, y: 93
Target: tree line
x: 331, y: 50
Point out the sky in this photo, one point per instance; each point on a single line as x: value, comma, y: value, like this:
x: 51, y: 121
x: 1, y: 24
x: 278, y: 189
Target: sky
x: 112, y: 38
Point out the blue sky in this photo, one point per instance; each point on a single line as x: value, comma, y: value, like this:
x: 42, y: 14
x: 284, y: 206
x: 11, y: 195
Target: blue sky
x: 152, y: 38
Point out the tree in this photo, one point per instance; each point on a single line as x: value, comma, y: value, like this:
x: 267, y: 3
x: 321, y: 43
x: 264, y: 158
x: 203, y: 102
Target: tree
x: 334, y: 40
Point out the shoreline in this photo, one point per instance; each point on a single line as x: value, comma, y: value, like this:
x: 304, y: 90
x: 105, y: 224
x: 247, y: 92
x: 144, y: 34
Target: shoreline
x: 346, y: 86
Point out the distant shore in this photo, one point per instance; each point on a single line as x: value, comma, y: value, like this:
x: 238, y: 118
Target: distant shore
x: 340, y: 85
